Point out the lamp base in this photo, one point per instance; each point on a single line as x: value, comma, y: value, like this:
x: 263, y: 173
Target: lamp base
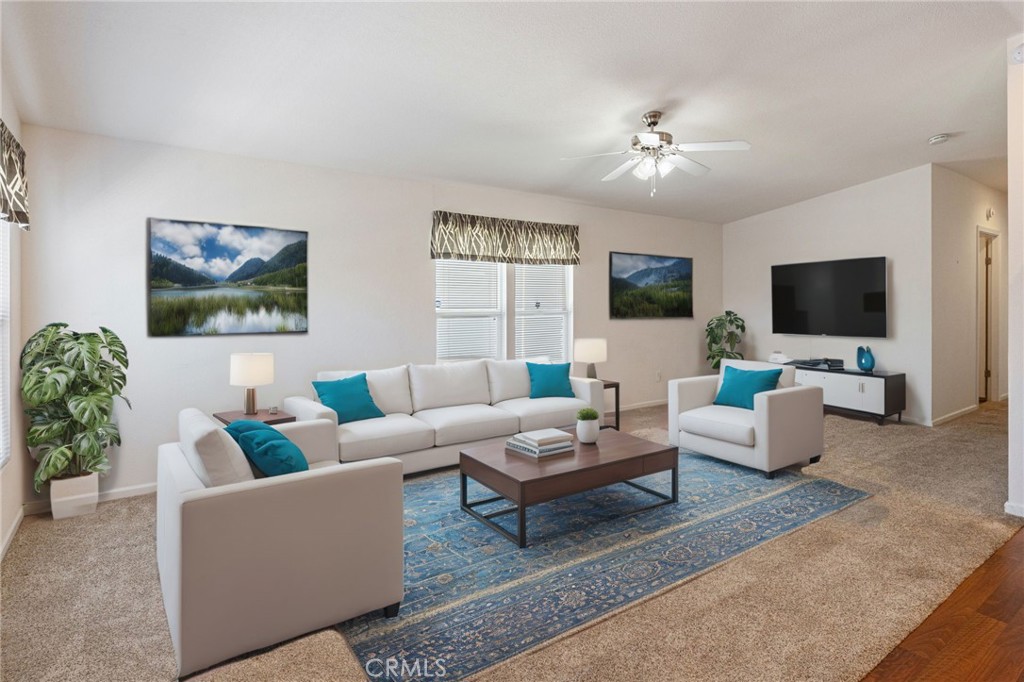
x: 250, y: 401
x: 591, y: 370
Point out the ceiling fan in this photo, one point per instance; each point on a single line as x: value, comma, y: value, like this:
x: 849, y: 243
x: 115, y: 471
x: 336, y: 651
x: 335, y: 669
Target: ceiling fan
x: 654, y: 154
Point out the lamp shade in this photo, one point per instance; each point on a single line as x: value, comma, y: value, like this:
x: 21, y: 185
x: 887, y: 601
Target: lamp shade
x: 252, y: 369
x: 590, y: 350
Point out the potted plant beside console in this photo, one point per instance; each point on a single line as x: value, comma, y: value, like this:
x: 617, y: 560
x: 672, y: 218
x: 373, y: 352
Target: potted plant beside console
x: 587, y: 426
x: 68, y: 385
x: 724, y: 332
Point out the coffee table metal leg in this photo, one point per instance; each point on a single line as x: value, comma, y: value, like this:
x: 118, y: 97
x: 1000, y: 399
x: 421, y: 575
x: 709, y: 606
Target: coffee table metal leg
x: 522, y: 525
x: 675, y: 483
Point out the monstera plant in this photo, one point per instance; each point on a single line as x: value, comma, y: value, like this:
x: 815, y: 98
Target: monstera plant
x: 68, y: 385
x: 724, y: 332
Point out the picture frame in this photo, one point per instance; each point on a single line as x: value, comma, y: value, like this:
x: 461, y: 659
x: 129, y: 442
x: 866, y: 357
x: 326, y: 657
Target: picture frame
x: 212, y: 279
x: 646, y: 286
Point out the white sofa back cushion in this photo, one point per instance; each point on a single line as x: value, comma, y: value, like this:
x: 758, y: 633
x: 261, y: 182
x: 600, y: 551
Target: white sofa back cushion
x: 508, y: 379
x: 213, y: 455
x: 786, y: 380
x: 456, y: 383
x: 389, y: 388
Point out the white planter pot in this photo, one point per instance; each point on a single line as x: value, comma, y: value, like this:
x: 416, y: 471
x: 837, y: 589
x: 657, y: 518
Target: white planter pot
x: 74, y: 496
x: 587, y: 431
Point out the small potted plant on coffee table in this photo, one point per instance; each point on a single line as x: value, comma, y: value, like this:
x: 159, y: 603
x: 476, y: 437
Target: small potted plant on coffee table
x: 587, y: 426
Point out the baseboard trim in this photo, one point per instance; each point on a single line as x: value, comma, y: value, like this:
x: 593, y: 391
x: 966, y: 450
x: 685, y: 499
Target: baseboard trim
x: 1005, y: 396
x: 637, y: 406
x: 43, y: 506
x: 1014, y: 509
x: 954, y: 415
x: 10, y: 534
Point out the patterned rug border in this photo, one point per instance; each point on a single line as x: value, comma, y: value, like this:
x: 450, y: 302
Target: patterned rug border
x: 665, y: 590
x: 428, y: 615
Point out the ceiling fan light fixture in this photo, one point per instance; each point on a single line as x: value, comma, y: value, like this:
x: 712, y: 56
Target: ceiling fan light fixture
x: 665, y: 166
x: 646, y: 168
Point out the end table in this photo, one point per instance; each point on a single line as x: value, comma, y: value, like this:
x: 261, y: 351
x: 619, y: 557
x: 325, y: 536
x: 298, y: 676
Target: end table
x: 613, y: 385
x: 260, y: 416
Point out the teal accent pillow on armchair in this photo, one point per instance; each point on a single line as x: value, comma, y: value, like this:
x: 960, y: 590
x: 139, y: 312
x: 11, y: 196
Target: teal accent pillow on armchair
x: 550, y: 381
x: 740, y: 385
x: 268, y: 449
x: 350, y: 398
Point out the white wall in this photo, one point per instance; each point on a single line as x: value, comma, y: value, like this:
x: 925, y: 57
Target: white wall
x: 371, y: 279
x: 14, y: 471
x: 959, y: 206
x: 888, y: 217
x: 1015, y: 244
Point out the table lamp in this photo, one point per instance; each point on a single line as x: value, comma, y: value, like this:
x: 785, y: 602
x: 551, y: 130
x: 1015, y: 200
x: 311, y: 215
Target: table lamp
x: 590, y: 351
x: 251, y: 370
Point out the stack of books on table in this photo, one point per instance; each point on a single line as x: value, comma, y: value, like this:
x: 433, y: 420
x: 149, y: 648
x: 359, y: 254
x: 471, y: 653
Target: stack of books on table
x: 541, y: 443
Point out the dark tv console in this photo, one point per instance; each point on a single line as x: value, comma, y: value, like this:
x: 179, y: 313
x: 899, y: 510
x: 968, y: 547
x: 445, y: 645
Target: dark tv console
x: 878, y: 393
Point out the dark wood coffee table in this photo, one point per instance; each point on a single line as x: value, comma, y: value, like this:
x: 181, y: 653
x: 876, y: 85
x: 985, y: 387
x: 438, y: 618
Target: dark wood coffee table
x: 616, y: 458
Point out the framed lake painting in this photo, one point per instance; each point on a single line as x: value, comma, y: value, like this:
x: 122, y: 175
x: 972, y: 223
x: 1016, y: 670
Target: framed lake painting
x: 209, y: 278
x: 643, y: 286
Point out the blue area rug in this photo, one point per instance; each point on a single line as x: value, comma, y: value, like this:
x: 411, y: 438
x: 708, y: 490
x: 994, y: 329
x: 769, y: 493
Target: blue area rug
x: 474, y: 599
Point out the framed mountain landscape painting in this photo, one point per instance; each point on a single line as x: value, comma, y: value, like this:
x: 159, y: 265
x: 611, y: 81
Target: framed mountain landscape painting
x: 643, y: 286
x: 209, y: 278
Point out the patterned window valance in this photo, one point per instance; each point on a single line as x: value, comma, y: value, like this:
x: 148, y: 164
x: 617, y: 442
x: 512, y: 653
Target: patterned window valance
x: 13, y: 184
x: 458, y: 236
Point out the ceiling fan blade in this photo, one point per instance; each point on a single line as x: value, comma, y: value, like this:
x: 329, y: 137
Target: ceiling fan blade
x: 688, y: 165
x: 622, y: 169
x: 591, y: 156
x: 721, y: 146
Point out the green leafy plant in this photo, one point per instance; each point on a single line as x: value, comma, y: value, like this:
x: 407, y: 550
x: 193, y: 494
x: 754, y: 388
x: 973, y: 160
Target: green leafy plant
x: 724, y: 332
x: 68, y: 384
x: 587, y: 414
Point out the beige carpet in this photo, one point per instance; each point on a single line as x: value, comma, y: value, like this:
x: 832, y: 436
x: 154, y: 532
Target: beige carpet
x: 80, y: 598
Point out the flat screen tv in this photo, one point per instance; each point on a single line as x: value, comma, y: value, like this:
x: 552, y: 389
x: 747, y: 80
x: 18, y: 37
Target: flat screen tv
x: 830, y: 298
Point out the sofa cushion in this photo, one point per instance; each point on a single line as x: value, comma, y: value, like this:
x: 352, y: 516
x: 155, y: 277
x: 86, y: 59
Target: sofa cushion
x: 389, y: 387
x: 508, y: 379
x: 731, y: 424
x: 213, y: 455
x: 550, y: 381
x: 543, y: 413
x: 455, y: 383
x: 463, y: 423
x: 268, y: 449
x: 350, y: 398
x: 393, y: 434
x: 740, y: 385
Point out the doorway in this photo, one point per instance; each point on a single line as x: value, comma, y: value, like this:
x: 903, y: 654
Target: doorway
x: 987, y: 324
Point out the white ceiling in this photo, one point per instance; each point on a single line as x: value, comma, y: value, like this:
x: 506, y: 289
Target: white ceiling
x: 829, y: 94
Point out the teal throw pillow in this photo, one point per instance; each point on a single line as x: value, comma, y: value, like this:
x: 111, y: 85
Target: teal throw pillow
x: 550, y: 381
x: 268, y: 449
x: 350, y: 398
x: 740, y: 385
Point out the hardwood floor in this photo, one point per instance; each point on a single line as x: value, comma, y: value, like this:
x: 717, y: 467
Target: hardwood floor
x: 976, y: 634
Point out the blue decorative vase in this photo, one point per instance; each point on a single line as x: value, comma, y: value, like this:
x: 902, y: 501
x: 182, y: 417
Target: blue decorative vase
x: 865, y: 358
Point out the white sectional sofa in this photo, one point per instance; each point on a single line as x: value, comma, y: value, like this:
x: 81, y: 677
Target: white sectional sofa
x: 433, y: 411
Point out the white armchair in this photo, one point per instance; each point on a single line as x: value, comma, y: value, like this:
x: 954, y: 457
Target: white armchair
x: 786, y: 426
x: 249, y: 564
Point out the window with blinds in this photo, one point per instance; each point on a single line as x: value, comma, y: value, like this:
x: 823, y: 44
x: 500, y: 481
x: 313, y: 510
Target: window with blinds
x: 469, y: 301
x: 542, y: 311
x: 5, y: 342
x: 471, y: 305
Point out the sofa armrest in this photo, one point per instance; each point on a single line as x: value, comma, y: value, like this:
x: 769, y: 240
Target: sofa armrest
x: 688, y: 394
x: 317, y: 438
x: 262, y: 561
x: 305, y: 409
x: 590, y: 390
x: 789, y: 425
